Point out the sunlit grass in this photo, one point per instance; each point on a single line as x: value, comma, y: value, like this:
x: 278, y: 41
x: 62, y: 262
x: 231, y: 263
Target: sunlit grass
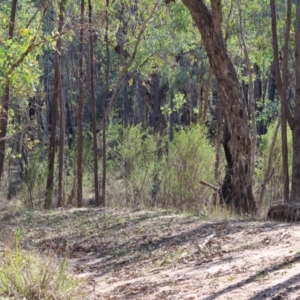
x: 26, y: 275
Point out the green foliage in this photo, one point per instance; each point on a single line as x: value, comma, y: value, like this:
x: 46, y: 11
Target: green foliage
x: 137, y: 157
x: 25, y: 77
x: 147, y: 170
x: 267, y: 110
x: 191, y: 158
x: 25, y: 275
x: 178, y: 101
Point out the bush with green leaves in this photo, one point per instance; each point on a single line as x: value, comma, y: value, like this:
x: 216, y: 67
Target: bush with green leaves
x: 134, y: 165
x: 191, y: 158
x: 145, y: 169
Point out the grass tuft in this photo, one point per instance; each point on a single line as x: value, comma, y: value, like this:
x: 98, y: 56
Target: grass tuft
x: 26, y: 275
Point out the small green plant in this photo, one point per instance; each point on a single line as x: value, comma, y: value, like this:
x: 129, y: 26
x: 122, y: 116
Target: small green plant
x: 230, y: 278
x: 25, y: 275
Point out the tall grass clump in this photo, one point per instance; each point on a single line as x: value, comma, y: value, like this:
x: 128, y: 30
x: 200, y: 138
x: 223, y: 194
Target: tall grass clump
x: 25, y: 275
x: 190, y: 158
x: 274, y: 192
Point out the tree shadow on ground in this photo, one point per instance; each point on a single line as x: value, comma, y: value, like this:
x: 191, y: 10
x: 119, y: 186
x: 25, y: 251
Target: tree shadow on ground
x: 131, y: 245
x: 286, y: 285
x: 129, y: 252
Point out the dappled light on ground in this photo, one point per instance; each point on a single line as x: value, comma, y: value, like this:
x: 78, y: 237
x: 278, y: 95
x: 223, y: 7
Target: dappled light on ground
x: 161, y: 255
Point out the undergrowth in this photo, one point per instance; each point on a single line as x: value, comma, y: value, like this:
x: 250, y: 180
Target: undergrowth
x: 26, y: 275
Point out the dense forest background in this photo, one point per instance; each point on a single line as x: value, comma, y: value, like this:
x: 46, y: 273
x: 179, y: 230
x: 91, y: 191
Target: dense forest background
x: 121, y: 103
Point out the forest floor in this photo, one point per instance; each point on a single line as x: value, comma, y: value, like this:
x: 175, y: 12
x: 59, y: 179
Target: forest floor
x: 125, y: 254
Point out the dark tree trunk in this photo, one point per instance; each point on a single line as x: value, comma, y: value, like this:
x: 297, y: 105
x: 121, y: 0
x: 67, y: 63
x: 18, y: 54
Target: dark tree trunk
x: 104, y: 158
x: 220, y: 117
x: 154, y: 114
x: 295, y: 191
x: 52, y: 143
x: 140, y: 111
x: 158, y: 93
x: 126, y: 104
x: 271, y: 83
x: 5, y: 99
x: 237, y: 186
x: 171, y: 132
x: 69, y: 123
x: 80, y: 112
x: 282, y: 86
x: 104, y: 112
x: 206, y: 96
x: 93, y: 108
x: 258, y: 96
x: 60, y: 191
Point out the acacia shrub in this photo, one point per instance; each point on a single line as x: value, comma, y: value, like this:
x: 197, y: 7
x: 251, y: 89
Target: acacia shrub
x: 146, y: 170
x: 191, y: 158
x: 134, y: 164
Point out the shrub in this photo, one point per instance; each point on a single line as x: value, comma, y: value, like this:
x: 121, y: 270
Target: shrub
x: 191, y: 158
x: 133, y: 166
x: 146, y: 169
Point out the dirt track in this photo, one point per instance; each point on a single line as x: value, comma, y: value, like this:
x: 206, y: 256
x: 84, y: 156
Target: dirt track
x: 158, y: 255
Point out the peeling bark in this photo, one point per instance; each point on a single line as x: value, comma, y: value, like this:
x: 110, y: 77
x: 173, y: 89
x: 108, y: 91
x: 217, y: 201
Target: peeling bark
x: 237, y: 186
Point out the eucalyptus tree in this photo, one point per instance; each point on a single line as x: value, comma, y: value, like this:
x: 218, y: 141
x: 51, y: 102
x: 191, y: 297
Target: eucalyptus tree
x: 5, y: 99
x: 80, y: 107
x: 295, y: 191
x: 237, y: 187
x: 93, y: 103
x: 54, y: 107
x: 19, y: 75
x: 283, y: 86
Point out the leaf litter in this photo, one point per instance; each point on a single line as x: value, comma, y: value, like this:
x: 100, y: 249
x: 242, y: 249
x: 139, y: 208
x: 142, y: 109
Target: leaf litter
x: 125, y: 254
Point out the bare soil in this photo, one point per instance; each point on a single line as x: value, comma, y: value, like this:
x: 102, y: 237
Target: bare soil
x: 162, y: 255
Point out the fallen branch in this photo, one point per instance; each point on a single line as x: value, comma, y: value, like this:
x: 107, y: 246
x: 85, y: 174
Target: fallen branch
x: 210, y: 185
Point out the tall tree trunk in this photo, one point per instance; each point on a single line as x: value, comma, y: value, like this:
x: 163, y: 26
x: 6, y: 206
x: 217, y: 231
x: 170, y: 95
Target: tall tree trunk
x: 251, y: 91
x: 282, y: 86
x: 126, y: 104
x: 295, y: 191
x: 140, y: 113
x: 154, y: 114
x: 199, y: 92
x: 206, y: 96
x: 269, y: 169
x: 93, y: 108
x: 103, y: 186
x: 5, y: 98
x: 52, y: 143
x: 237, y: 186
x: 121, y: 38
x: 104, y: 112
x: 171, y: 132
x: 218, y: 137
x: 259, y: 97
x: 80, y: 110
x: 62, y: 119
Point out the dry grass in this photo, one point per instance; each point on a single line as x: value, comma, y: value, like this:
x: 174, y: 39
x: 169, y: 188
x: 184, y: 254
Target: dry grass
x: 27, y: 275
